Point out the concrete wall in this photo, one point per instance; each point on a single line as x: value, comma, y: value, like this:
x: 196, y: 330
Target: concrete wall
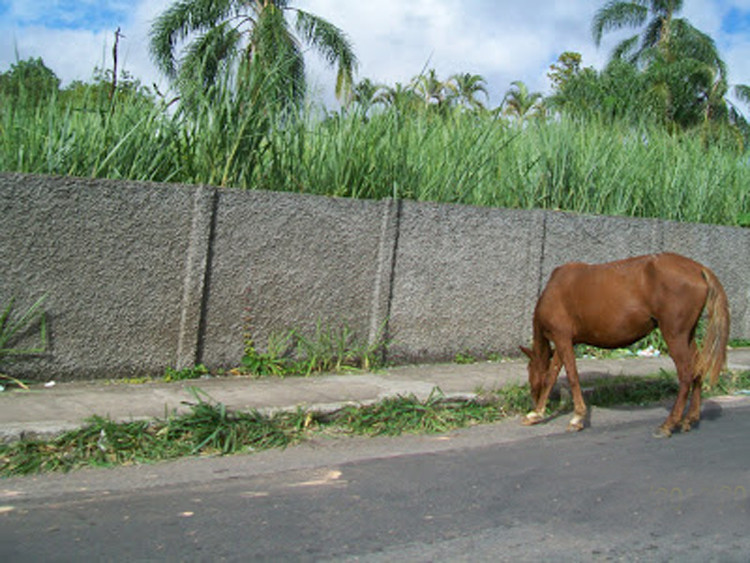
x: 111, y: 258
x: 282, y: 261
x: 142, y: 276
x: 465, y: 280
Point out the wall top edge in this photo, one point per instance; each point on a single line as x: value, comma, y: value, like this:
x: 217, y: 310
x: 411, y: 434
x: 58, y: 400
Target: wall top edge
x: 18, y: 177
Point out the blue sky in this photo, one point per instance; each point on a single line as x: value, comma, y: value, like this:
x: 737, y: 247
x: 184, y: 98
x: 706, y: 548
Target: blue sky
x: 736, y: 21
x: 503, y: 40
x: 67, y: 14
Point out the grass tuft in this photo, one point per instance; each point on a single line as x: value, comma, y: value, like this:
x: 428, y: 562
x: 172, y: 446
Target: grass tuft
x: 292, y: 353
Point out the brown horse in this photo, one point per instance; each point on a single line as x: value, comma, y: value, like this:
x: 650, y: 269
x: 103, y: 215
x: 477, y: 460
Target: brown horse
x: 615, y: 304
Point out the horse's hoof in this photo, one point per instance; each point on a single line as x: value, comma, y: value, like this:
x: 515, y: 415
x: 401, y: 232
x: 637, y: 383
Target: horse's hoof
x: 577, y: 423
x: 689, y: 423
x: 662, y: 432
x: 532, y: 418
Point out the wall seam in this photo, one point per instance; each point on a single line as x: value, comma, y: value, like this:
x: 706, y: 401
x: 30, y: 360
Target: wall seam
x: 385, y: 275
x: 542, y: 255
x: 196, y: 278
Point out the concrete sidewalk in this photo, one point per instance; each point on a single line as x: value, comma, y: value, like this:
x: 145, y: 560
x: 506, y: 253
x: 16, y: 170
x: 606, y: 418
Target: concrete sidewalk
x: 47, y: 411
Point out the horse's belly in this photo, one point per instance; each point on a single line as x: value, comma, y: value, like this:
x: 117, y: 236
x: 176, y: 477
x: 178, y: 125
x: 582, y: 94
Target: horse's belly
x: 614, y: 331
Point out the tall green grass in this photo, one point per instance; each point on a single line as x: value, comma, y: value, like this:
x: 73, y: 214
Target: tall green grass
x: 234, y: 140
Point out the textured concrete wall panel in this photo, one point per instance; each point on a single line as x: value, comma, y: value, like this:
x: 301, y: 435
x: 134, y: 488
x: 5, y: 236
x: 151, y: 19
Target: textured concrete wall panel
x: 142, y: 276
x: 465, y: 281
x: 726, y: 251
x: 594, y: 239
x: 110, y: 256
x: 283, y: 261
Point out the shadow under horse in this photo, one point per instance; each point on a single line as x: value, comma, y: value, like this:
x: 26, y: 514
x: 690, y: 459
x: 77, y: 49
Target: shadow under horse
x: 615, y: 304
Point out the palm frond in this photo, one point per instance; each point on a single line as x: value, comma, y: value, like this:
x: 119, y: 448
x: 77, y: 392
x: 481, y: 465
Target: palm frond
x: 695, y: 44
x: 742, y: 93
x: 627, y: 50
x: 274, y: 48
x: 208, y: 55
x: 178, y: 22
x: 332, y: 44
x: 618, y: 15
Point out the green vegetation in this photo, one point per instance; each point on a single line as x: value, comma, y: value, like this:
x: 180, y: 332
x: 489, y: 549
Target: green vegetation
x: 13, y: 329
x: 296, y: 354
x: 654, y: 342
x: 229, y: 37
x: 584, y: 166
x: 196, y: 372
x: 210, y: 429
x: 650, y: 135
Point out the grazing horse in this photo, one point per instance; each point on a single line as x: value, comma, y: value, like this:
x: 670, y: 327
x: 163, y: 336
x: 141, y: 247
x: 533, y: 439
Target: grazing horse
x: 615, y: 304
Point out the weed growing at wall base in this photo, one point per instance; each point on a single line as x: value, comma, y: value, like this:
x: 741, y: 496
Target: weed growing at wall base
x: 13, y: 328
x: 293, y: 353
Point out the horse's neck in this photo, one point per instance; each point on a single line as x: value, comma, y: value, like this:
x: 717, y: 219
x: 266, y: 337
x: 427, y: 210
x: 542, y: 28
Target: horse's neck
x: 541, y: 343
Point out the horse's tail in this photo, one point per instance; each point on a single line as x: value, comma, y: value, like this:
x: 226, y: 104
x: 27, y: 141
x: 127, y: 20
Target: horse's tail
x: 712, y: 355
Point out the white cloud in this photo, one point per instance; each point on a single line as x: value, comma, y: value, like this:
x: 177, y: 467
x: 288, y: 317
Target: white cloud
x: 71, y: 54
x: 503, y: 41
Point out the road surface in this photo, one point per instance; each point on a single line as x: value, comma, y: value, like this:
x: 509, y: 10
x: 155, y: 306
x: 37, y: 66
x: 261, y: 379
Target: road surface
x: 493, y: 493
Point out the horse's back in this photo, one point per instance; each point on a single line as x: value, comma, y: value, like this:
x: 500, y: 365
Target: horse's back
x: 597, y: 281
x: 639, y: 273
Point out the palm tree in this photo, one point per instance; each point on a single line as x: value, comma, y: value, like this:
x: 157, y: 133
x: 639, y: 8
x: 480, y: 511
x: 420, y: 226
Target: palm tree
x: 681, y: 62
x: 398, y: 96
x: 618, y: 14
x: 431, y: 89
x: 467, y: 87
x: 519, y: 102
x: 664, y: 37
x: 220, y: 36
x: 363, y: 93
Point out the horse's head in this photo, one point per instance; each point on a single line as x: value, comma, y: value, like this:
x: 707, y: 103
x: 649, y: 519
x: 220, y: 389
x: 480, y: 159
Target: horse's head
x: 539, y: 367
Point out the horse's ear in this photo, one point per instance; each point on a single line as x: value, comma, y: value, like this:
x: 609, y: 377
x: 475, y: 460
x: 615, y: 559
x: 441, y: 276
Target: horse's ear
x: 526, y: 351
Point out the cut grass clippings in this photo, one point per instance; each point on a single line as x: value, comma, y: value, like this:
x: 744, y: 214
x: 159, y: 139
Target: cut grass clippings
x: 211, y: 429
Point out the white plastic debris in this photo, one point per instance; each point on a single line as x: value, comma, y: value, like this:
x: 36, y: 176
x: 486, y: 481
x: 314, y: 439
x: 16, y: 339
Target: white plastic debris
x: 649, y: 352
x: 49, y: 384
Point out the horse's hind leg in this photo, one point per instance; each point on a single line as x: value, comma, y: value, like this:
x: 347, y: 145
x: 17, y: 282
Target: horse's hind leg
x: 694, y: 412
x: 682, y: 355
x: 693, y: 415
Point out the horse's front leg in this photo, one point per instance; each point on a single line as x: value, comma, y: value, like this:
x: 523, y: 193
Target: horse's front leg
x: 537, y: 415
x: 568, y: 357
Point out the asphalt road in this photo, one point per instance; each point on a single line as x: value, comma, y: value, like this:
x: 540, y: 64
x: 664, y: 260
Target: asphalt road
x: 493, y: 493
